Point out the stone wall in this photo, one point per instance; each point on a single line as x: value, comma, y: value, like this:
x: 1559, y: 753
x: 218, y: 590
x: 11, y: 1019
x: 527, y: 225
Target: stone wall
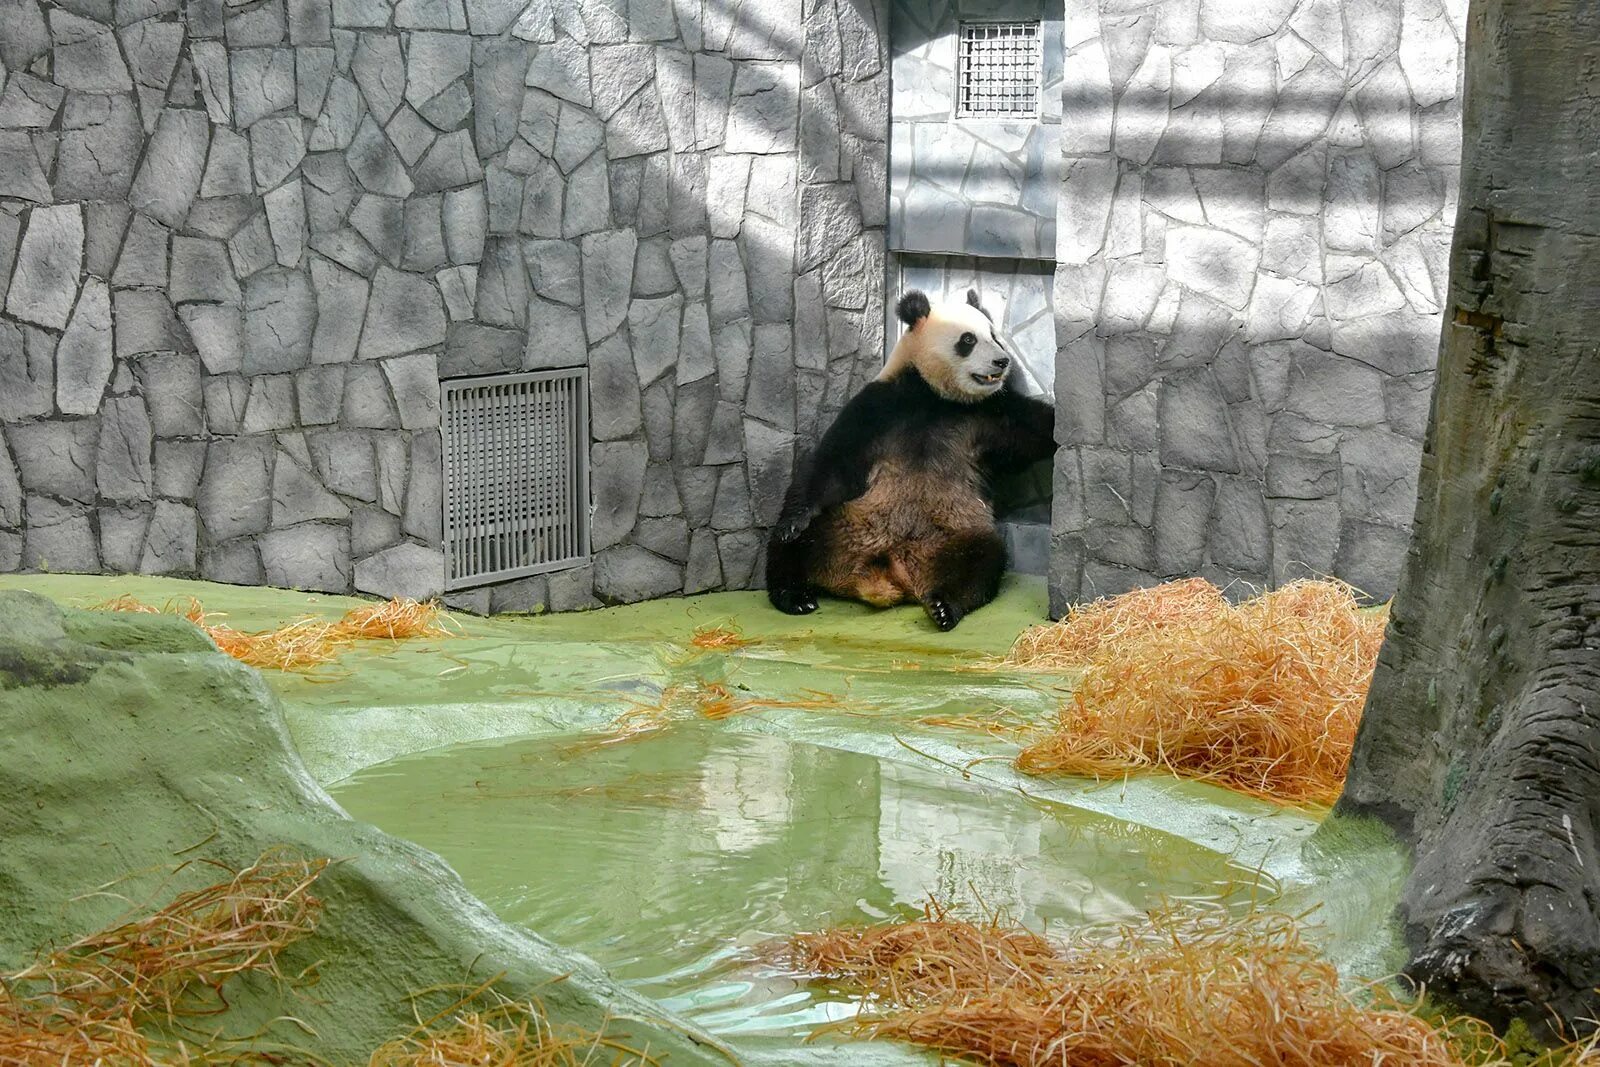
x: 1254, y: 228
x: 241, y: 242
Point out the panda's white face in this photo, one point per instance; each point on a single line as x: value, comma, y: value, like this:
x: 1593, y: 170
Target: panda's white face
x: 960, y: 353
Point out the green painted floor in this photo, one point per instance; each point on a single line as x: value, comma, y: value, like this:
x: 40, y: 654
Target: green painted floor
x: 672, y: 857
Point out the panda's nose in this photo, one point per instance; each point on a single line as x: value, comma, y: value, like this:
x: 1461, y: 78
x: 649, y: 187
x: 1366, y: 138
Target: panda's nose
x: 1002, y: 362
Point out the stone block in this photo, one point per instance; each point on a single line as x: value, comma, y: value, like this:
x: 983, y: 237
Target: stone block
x: 172, y: 540
x: 177, y: 467
x: 561, y: 68
x: 48, y: 264
x: 614, y: 398
x: 59, y: 537
x: 270, y: 404
x: 1194, y: 424
x: 1239, y: 539
x: 56, y: 457
x: 1332, y: 389
x: 201, y: 272
x: 277, y: 145
x: 84, y: 355
x: 617, y: 478
x: 666, y: 537
x: 1305, y: 539
x: 450, y: 163
x: 1379, y: 476
x: 286, y: 220
x: 1303, y: 476
x: 375, y: 163
x: 771, y: 395
x: 425, y: 488
x: 525, y: 596
x: 279, y: 318
x: 1371, y: 556
x: 173, y: 165
x: 21, y: 174
x: 235, y: 563
x: 741, y: 553
x: 235, y: 495
x: 86, y: 55
x: 459, y: 287
x: 367, y: 400
x: 607, y: 280
x: 502, y: 284
x: 123, y: 452
x: 414, y: 381
x: 555, y: 336
x: 170, y: 382
x: 628, y: 574
x: 764, y: 111
x: 101, y: 141
x: 341, y: 310
x: 122, y: 537
x: 406, y: 314
x: 297, y: 496
x: 225, y: 398
x: 372, y: 529
x: 703, y: 572
x: 312, y: 557
x: 471, y: 348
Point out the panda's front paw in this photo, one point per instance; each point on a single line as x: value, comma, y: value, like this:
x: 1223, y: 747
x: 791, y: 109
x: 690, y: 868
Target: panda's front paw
x: 943, y: 613
x: 793, y: 601
x: 790, y: 527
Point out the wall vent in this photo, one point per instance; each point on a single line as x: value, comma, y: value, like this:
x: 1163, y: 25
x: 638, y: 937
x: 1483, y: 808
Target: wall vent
x: 997, y: 71
x: 516, y: 475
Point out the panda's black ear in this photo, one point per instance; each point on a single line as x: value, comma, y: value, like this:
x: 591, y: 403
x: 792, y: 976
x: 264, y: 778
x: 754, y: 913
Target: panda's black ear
x: 913, y: 307
x: 972, y: 298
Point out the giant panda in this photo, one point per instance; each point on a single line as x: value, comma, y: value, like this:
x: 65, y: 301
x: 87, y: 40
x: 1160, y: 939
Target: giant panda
x: 897, y: 505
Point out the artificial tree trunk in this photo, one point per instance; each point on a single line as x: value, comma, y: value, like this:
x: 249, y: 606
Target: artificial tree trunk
x: 1480, y: 745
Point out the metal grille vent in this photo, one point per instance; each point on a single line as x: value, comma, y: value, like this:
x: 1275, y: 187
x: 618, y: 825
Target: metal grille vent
x: 516, y: 475
x: 997, y: 70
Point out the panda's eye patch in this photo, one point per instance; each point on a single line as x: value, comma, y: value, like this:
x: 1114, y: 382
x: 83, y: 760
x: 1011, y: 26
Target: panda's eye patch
x: 966, y: 344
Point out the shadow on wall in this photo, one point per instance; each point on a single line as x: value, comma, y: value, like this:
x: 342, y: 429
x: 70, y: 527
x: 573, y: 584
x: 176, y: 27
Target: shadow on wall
x: 1252, y: 253
x: 338, y: 204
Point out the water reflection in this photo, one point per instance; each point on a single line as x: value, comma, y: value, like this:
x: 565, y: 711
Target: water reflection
x: 671, y: 858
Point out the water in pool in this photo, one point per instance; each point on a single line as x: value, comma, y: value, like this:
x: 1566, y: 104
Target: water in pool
x: 671, y: 858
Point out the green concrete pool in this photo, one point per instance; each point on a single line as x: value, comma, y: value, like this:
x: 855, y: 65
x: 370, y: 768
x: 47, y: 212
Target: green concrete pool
x: 673, y: 857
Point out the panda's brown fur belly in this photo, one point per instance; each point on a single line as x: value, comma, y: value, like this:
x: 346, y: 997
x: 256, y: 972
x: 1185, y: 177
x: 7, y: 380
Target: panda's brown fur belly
x: 880, y: 547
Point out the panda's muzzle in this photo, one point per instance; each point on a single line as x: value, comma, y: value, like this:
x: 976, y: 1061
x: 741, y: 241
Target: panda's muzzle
x: 997, y: 375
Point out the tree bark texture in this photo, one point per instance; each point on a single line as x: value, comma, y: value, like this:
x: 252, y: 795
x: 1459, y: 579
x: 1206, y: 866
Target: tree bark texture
x: 1480, y: 745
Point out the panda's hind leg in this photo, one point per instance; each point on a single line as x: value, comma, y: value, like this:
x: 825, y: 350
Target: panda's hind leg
x: 962, y: 576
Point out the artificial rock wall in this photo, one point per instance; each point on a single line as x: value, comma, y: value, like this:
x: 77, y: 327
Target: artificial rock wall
x: 1251, y: 257
x: 240, y: 244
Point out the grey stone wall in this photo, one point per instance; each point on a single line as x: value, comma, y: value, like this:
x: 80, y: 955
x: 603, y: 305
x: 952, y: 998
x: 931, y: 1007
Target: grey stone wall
x: 1254, y: 227
x: 970, y: 186
x: 240, y: 244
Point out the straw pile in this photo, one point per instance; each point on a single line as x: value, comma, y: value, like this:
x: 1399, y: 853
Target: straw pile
x: 1264, y: 697
x: 507, y: 1034
x: 304, y: 643
x: 85, y: 1002
x: 1196, y: 986
x: 719, y: 639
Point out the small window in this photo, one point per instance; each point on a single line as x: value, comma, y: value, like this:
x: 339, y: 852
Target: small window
x: 997, y: 71
x: 516, y: 475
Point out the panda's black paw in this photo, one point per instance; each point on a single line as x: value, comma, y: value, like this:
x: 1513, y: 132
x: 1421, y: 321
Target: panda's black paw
x: 790, y: 527
x: 793, y: 601
x: 943, y: 613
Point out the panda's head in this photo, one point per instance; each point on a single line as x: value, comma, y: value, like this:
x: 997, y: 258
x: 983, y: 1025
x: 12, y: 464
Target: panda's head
x: 953, y: 345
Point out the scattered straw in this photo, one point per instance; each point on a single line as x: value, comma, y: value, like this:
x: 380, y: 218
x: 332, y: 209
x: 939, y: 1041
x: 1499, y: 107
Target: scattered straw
x: 1264, y: 697
x: 1087, y: 628
x: 506, y: 1034
x: 719, y: 639
x: 84, y: 1002
x: 394, y: 620
x: 304, y: 643
x: 1185, y: 987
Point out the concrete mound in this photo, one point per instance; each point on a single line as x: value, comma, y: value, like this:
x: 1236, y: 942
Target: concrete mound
x: 129, y: 745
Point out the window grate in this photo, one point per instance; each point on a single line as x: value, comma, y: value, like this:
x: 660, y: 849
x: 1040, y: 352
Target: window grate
x: 516, y: 475
x: 997, y: 70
